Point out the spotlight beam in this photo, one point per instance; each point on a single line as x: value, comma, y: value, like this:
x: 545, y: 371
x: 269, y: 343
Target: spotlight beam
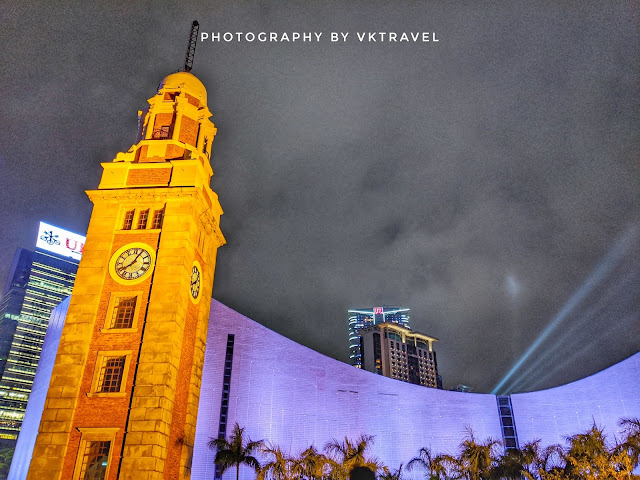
x: 572, y: 358
x: 603, y: 268
x: 569, y: 335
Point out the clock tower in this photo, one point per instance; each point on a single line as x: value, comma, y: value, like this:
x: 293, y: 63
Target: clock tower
x: 123, y: 397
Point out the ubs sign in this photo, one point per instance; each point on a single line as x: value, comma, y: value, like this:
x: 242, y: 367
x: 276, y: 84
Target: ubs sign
x: 62, y: 242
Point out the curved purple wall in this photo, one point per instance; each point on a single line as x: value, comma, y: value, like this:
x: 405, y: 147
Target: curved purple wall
x: 603, y: 398
x: 292, y: 396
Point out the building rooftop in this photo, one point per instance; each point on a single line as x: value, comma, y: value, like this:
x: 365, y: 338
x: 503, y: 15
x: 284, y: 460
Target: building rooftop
x: 403, y: 331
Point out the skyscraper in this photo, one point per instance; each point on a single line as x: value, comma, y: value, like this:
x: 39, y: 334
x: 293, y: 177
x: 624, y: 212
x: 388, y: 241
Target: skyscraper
x: 395, y: 351
x: 37, y: 282
x: 124, y: 390
x: 360, y: 318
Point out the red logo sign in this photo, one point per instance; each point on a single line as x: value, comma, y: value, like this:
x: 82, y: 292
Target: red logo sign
x: 377, y: 311
x: 77, y: 246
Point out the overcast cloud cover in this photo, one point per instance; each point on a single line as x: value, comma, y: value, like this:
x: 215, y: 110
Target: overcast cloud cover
x: 479, y: 180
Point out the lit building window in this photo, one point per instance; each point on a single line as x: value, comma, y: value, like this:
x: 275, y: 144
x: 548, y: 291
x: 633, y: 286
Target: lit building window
x: 128, y: 220
x: 142, y: 219
x: 111, y: 374
x: 124, y: 312
x: 158, y: 216
x: 94, y: 460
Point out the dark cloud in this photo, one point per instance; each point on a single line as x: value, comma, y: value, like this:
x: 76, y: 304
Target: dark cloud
x: 478, y: 181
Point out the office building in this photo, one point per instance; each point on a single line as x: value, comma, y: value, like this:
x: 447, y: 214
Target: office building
x: 37, y: 282
x: 395, y: 351
x: 360, y: 318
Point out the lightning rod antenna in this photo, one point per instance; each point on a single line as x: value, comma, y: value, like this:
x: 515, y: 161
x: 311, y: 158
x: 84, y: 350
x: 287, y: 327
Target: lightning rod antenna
x: 191, y: 48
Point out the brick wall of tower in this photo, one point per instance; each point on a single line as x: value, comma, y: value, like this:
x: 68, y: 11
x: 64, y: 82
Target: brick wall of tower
x: 193, y: 100
x: 68, y: 371
x: 198, y: 360
x: 178, y: 440
x: 161, y: 429
x: 163, y: 120
x: 109, y: 411
x: 188, y: 131
x: 156, y: 176
x: 174, y: 151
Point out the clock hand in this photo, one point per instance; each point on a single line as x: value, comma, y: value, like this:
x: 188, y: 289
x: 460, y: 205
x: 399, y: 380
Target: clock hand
x: 134, y: 260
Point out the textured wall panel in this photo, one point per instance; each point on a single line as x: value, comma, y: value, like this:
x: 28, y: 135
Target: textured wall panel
x: 292, y: 396
x: 603, y: 398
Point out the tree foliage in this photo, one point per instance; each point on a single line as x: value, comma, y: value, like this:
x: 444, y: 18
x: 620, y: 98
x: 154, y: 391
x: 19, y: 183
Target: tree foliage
x: 344, y: 456
x: 237, y: 451
x: 586, y: 456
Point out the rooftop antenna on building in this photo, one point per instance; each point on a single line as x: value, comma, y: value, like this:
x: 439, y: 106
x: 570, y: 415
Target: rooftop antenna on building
x: 191, y: 48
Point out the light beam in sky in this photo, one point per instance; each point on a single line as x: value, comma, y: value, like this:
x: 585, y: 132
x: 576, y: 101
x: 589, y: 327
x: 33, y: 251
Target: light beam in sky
x: 550, y: 362
x: 600, y: 272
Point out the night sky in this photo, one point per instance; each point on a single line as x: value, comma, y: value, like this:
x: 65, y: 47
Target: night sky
x: 488, y: 181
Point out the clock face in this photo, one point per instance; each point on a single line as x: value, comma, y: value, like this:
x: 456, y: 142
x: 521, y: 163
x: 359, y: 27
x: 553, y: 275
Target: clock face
x: 132, y: 263
x: 195, y: 282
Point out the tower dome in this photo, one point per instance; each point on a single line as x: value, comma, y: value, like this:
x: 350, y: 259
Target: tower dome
x: 187, y: 82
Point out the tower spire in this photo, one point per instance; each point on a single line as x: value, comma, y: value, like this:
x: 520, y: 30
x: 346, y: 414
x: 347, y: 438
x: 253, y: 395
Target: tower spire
x: 191, y: 47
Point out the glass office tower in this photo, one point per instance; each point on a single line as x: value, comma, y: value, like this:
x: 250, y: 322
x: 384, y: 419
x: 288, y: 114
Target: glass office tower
x: 37, y: 282
x: 360, y: 318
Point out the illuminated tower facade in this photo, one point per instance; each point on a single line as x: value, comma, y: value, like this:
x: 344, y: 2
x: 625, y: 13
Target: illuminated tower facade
x: 360, y: 318
x: 123, y: 397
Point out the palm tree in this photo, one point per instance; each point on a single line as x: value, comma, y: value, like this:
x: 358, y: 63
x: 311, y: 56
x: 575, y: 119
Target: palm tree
x: 279, y: 468
x: 476, y: 460
x: 631, y: 444
x: 391, y: 475
x: 434, y: 466
x: 586, y: 453
x: 518, y: 462
x: 348, y: 455
x: 509, y: 466
x: 589, y: 457
x: 236, y: 451
x: 310, y: 465
x: 550, y: 463
x: 531, y: 458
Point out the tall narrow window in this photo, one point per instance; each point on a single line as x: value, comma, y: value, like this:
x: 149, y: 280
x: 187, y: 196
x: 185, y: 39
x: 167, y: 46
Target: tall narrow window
x: 123, y: 312
x: 94, y: 460
x: 142, y: 219
x: 111, y: 374
x: 128, y: 220
x: 226, y: 387
x: 158, y: 216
